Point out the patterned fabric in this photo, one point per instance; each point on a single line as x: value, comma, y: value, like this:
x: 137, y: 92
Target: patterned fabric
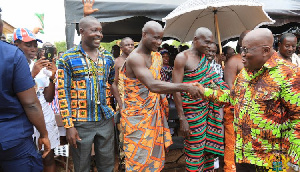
x: 54, y: 104
x: 166, y: 75
x: 121, y: 86
x: 82, y: 86
x: 267, y: 113
x: 204, y: 120
x: 229, y: 163
x: 146, y: 132
x: 217, y: 68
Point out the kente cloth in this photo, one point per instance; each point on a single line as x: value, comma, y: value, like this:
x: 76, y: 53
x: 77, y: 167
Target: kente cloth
x: 144, y: 122
x: 229, y: 162
x: 204, y: 119
x: 266, y: 113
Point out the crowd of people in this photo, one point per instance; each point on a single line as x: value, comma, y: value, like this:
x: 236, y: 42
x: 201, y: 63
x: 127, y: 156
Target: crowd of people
x: 241, y: 106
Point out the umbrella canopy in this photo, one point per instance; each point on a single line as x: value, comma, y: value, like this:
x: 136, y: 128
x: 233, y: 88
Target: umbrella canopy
x: 225, y: 18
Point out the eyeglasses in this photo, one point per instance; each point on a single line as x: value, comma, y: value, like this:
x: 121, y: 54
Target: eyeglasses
x: 246, y: 50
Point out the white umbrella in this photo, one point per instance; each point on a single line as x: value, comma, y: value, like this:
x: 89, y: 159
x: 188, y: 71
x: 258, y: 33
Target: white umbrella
x: 225, y: 18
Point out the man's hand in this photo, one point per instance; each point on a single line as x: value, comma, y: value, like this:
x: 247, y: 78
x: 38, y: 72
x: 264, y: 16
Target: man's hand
x: 38, y: 65
x: 72, y: 136
x: 185, y: 128
x: 47, y: 148
x: 88, y: 7
x: 52, y: 67
x: 195, y: 91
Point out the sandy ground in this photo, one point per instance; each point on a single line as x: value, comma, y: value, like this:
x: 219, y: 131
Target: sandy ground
x: 170, y: 166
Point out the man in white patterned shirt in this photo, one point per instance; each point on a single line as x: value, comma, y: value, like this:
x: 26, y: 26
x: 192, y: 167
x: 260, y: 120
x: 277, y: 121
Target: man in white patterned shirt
x: 211, y: 58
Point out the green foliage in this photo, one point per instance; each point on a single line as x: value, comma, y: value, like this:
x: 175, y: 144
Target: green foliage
x: 108, y: 45
x: 61, y: 46
x: 177, y: 43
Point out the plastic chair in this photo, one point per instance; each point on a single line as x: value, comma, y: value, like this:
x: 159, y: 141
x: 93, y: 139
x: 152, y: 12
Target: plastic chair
x: 63, y: 150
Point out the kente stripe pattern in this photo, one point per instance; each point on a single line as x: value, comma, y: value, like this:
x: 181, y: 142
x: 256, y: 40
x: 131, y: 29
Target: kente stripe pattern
x: 204, y: 120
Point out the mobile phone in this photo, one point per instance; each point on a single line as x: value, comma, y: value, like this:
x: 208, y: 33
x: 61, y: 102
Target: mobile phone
x: 49, y: 53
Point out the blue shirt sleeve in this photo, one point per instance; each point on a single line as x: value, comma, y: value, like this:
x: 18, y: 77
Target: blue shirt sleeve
x: 22, y: 79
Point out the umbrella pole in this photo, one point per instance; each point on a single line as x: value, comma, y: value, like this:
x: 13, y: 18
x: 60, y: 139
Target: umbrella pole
x: 218, y: 33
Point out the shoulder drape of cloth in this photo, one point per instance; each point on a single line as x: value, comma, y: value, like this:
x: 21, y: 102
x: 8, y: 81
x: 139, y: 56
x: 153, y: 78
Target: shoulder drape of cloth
x: 203, y: 116
x: 144, y: 121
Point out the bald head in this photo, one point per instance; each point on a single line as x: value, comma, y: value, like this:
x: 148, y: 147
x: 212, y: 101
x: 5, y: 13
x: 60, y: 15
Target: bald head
x: 257, y: 48
x: 85, y: 21
x: 152, y: 36
x: 152, y: 26
x: 260, y: 36
x: 201, y: 31
x: 124, y: 40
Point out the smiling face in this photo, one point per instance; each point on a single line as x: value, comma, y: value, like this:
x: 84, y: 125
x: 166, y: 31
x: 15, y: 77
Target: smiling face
x: 166, y: 59
x: 202, y: 42
x: 287, y: 47
x: 91, y: 34
x: 253, y: 54
x: 153, y: 39
x: 212, y: 52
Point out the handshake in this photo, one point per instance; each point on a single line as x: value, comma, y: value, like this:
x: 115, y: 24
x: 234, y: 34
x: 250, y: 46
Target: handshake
x: 195, y: 90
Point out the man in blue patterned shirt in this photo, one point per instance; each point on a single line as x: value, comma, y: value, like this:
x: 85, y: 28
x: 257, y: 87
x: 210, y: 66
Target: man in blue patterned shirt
x: 83, y: 74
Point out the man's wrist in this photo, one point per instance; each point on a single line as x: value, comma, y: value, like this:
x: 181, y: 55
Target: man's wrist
x: 44, y: 134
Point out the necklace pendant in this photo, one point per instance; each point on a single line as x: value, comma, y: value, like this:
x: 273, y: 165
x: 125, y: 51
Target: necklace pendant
x: 98, y: 102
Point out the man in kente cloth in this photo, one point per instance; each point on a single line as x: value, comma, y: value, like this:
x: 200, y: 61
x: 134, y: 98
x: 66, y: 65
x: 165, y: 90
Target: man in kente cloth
x: 144, y: 112
x: 200, y: 120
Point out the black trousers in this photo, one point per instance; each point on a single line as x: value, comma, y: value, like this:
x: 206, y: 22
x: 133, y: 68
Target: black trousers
x: 244, y: 167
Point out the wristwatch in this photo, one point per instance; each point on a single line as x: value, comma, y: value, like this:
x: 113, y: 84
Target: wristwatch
x: 53, y: 80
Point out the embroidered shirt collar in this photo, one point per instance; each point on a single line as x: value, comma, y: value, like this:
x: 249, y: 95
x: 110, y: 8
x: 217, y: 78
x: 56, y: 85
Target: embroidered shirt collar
x: 80, y: 49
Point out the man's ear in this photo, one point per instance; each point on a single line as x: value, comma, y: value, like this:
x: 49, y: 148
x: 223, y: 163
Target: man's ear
x: 144, y: 34
x: 81, y: 31
x: 194, y: 39
x: 279, y: 44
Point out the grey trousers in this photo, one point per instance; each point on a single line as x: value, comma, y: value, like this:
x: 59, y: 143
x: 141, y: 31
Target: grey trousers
x: 102, y: 135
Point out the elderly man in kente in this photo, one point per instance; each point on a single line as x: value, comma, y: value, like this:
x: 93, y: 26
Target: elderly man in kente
x: 266, y: 106
x: 200, y: 120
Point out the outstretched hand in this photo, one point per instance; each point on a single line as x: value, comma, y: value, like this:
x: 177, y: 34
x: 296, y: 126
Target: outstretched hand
x: 196, y: 91
x: 88, y: 7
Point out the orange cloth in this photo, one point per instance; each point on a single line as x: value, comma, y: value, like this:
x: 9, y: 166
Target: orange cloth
x: 146, y: 133
x: 229, y: 162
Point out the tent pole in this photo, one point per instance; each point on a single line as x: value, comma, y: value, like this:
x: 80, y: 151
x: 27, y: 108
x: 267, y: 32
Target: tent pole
x: 218, y: 32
